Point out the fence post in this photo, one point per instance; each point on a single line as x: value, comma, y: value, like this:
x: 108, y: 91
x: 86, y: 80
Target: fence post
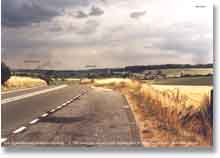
x: 210, y: 108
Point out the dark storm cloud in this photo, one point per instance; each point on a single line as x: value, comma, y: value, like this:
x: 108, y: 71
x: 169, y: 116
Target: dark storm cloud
x: 137, y: 14
x: 21, y: 13
x: 65, y: 3
x: 75, y: 33
x: 96, y: 11
x: 81, y: 14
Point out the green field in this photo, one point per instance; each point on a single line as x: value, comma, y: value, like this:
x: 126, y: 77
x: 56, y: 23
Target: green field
x: 207, y: 80
x: 189, y: 71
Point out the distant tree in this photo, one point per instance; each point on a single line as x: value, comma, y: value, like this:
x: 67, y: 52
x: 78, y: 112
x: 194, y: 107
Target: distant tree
x: 182, y: 74
x: 5, y: 72
x: 159, y: 72
x: 46, y: 77
x: 210, y: 109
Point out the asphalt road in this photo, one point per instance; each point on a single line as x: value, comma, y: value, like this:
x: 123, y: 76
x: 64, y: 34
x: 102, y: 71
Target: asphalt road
x: 17, y: 113
x: 98, y: 118
x: 13, y: 93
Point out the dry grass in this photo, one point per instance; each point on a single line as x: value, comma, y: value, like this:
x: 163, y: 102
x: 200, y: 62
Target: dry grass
x: 16, y: 82
x: 185, y: 109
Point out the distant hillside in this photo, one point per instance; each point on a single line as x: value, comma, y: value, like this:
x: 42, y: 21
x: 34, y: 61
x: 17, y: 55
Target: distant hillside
x: 140, y: 68
x: 132, y: 69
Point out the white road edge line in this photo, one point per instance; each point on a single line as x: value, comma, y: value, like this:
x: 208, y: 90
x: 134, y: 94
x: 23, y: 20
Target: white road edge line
x: 19, y: 129
x: 24, y: 89
x: 4, y: 101
x: 3, y: 140
x: 34, y: 121
x: 38, y: 119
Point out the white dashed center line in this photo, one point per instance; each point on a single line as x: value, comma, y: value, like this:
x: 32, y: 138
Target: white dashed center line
x: 44, y: 115
x: 22, y: 128
x: 34, y: 121
x: 19, y: 129
x: 52, y: 110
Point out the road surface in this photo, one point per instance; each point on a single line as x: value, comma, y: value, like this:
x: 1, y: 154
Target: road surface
x: 16, y: 113
x: 98, y: 117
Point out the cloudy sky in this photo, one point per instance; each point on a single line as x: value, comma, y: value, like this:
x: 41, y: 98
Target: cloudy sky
x: 70, y: 34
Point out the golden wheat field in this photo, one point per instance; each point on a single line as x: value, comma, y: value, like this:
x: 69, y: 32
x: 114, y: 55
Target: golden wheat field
x: 188, y: 95
x: 99, y: 82
x: 169, y: 95
x: 183, y: 108
x: 17, y: 82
